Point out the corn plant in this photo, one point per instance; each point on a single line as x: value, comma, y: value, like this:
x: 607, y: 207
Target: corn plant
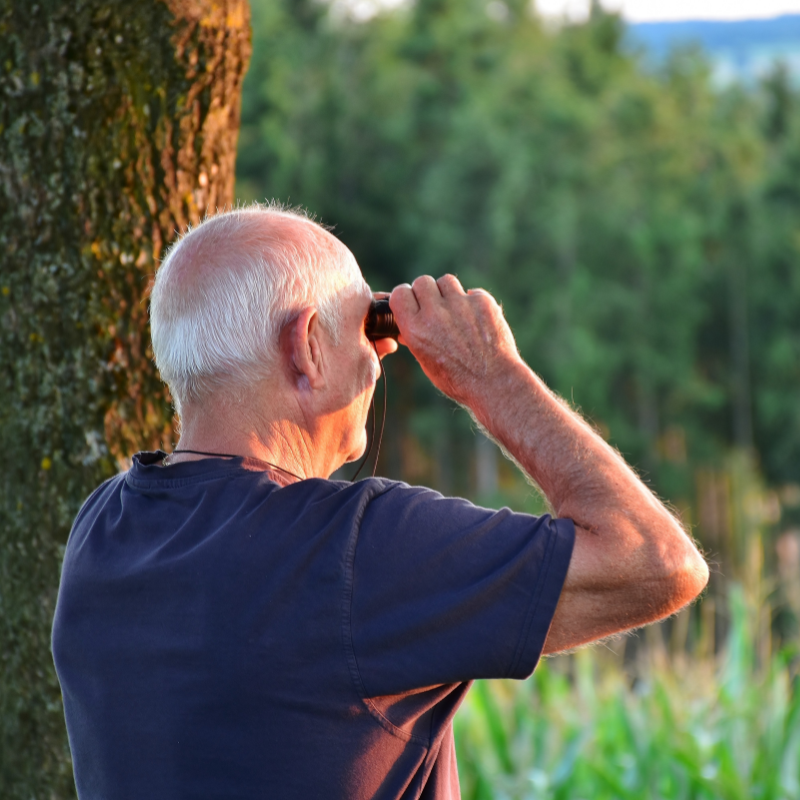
x: 723, y: 728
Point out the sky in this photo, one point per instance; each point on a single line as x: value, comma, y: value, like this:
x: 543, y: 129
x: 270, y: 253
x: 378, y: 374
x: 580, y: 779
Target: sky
x: 633, y: 10
x: 663, y: 10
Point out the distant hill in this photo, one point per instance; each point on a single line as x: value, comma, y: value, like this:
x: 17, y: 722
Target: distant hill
x: 741, y: 50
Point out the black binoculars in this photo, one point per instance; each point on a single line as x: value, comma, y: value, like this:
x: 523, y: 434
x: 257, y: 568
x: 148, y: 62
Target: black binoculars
x: 380, y: 322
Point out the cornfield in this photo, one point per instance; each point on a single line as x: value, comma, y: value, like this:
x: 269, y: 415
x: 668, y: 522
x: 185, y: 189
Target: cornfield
x: 587, y: 726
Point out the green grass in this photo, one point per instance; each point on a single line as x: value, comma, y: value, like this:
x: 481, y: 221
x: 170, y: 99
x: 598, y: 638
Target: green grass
x: 581, y: 728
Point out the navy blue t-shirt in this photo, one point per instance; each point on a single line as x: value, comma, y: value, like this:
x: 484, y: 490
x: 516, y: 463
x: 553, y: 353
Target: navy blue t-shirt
x: 219, y: 635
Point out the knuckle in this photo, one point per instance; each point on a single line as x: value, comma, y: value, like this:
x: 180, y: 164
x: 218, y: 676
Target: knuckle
x: 400, y: 291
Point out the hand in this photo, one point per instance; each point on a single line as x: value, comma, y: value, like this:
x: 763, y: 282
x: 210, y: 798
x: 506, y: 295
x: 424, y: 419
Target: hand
x: 461, y: 339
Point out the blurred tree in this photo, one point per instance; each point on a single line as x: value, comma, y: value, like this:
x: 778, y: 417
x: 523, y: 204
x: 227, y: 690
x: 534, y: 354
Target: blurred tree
x: 639, y: 225
x: 775, y: 288
x: 597, y: 198
x: 118, y: 127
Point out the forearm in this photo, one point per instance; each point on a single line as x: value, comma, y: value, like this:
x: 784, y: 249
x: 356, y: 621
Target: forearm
x: 581, y: 476
x: 636, y: 563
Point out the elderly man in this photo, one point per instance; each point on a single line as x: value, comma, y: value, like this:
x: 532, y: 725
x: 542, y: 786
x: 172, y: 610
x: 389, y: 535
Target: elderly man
x: 233, y: 624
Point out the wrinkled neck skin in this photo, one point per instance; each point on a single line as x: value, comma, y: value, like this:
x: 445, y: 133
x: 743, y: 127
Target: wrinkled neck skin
x: 269, y: 423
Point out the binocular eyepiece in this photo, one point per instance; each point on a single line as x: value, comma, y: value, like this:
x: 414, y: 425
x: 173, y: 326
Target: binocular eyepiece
x: 380, y: 322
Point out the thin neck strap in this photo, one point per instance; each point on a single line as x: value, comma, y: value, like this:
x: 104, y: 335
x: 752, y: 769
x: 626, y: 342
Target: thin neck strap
x: 230, y: 455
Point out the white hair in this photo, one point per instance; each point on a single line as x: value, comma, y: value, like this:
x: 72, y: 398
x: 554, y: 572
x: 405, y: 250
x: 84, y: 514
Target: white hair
x: 228, y: 287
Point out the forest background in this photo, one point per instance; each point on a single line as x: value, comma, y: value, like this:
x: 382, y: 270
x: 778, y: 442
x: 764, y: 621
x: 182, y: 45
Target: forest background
x: 641, y: 227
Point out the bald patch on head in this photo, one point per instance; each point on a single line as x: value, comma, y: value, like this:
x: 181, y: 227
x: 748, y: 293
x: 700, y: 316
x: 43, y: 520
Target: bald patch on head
x: 213, y: 245
x: 227, y: 288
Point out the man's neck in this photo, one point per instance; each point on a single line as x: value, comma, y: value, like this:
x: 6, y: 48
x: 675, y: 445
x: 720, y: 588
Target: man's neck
x: 236, y: 430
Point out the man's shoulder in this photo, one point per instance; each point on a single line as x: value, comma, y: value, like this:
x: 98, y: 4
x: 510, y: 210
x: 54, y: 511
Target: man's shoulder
x: 385, y: 490
x: 147, y: 477
x: 371, y: 486
x: 106, y: 489
x: 364, y: 492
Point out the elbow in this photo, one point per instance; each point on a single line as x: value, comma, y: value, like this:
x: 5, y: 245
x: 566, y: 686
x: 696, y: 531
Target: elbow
x: 695, y: 576
x: 684, y: 581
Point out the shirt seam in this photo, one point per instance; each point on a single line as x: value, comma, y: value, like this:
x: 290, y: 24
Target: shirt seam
x: 178, y: 483
x: 83, y: 510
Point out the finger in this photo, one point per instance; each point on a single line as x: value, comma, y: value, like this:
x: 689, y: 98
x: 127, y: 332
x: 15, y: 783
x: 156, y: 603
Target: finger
x: 450, y: 285
x: 383, y: 347
x: 484, y: 296
x: 427, y: 291
x: 403, y: 301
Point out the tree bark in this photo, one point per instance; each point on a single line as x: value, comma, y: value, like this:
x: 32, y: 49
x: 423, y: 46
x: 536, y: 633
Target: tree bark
x: 118, y: 128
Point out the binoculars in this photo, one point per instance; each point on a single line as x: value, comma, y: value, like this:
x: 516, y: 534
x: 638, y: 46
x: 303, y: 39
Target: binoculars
x: 380, y: 322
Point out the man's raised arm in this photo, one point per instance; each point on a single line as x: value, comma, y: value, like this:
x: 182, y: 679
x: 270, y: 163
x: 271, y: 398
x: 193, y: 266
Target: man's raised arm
x: 633, y: 563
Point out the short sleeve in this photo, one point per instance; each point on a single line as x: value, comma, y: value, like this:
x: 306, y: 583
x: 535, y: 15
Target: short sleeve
x: 444, y: 591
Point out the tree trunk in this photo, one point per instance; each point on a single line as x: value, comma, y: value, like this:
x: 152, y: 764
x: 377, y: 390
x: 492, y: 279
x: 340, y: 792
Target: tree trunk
x: 739, y: 337
x: 118, y: 127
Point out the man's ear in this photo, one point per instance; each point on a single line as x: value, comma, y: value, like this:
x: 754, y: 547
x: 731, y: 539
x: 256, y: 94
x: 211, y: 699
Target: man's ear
x: 300, y: 342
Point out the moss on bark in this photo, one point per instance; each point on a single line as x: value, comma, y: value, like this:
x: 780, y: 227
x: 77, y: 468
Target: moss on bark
x: 118, y: 126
